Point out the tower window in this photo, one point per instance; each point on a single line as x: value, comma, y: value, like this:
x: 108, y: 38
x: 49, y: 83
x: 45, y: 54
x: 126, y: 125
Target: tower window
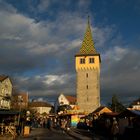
x: 91, y: 60
x: 87, y: 86
x: 87, y: 75
x: 82, y: 61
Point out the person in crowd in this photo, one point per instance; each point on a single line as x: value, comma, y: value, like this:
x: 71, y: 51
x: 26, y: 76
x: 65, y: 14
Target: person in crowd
x: 114, y: 129
x: 107, y: 126
x: 63, y: 125
x: 49, y: 123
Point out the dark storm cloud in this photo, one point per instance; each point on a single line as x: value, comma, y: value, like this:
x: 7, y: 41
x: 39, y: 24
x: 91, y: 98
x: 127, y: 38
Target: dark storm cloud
x: 121, y: 73
x: 47, y: 84
x: 26, y: 44
x: 16, y: 60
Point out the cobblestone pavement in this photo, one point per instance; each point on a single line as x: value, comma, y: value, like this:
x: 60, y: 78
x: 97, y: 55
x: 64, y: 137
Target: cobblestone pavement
x: 45, y: 134
x: 57, y: 134
x: 86, y: 135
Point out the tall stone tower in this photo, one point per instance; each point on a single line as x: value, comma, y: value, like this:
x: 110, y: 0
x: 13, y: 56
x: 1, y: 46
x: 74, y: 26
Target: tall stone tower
x: 87, y: 64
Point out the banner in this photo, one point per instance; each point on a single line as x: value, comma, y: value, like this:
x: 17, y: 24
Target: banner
x: 74, y: 120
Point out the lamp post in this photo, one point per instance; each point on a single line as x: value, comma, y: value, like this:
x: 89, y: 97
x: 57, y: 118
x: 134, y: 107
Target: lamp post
x: 20, y: 100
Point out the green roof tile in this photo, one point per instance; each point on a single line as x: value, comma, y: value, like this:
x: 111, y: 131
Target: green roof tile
x: 88, y: 43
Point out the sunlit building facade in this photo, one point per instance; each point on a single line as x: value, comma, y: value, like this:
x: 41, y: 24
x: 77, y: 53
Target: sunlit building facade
x: 87, y: 64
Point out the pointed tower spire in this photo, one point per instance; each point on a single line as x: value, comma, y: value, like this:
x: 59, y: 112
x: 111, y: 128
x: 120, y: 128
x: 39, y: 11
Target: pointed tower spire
x: 88, y: 20
x: 87, y: 65
x: 88, y: 43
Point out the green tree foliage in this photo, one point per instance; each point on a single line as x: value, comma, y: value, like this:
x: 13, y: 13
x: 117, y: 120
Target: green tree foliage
x: 116, y: 105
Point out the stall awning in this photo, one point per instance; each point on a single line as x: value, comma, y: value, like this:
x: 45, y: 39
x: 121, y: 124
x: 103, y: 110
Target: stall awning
x: 8, y: 112
x: 130, y: 113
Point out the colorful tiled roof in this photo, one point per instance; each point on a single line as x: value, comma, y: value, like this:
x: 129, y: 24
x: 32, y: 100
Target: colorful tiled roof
x: 88, y: 43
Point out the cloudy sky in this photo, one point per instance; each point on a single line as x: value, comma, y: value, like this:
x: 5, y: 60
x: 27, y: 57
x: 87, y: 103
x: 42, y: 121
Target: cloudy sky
x: 39, y: 38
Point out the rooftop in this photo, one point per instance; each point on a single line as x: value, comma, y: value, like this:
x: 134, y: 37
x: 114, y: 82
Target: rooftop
x: 39, y: 104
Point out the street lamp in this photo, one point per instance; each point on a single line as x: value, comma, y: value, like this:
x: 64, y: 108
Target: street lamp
x: 20, y: 100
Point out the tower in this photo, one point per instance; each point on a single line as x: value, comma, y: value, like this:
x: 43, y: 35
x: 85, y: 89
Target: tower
x: 87, y: 64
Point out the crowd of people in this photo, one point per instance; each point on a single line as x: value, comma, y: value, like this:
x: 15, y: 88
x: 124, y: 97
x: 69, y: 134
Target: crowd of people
x: 51, y: 122
x: 114, y: 128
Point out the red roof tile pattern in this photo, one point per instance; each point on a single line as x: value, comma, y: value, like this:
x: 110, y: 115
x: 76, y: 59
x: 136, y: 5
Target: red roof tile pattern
x: 23, y: 96
x: 71, y: 99
x: 3, y: 77
x: 39, y: 104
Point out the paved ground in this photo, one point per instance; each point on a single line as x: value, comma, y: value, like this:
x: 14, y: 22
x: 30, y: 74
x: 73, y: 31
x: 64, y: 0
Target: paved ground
x: 45, y: 134
x: 54, y: 134
x: 57, y: 134
x: 86, y: 135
